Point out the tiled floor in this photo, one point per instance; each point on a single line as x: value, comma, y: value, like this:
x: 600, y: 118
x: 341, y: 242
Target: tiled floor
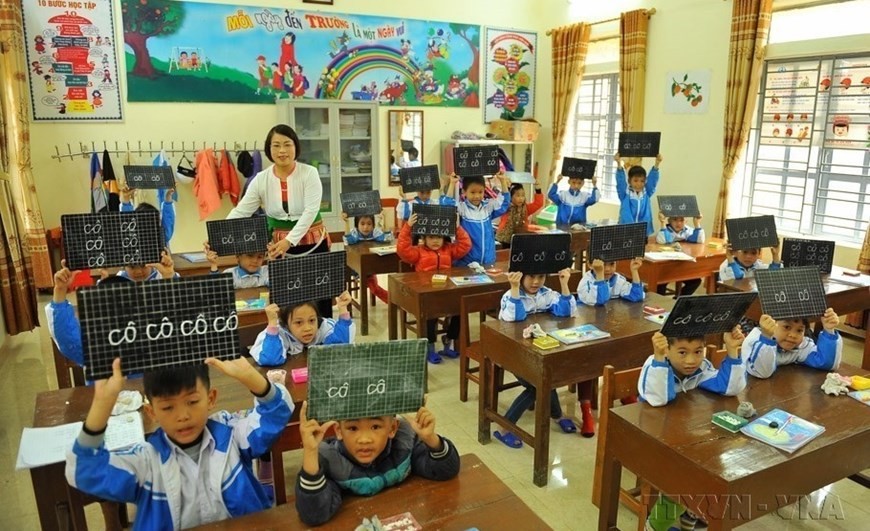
x: 26, y: 368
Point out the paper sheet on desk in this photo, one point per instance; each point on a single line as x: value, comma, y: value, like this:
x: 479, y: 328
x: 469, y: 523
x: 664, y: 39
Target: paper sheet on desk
x: 668, y: 255
x: 45, y: 446
x: 124, y: 430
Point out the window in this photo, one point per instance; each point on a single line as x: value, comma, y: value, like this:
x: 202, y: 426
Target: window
x: 594, y: 132
x: 807, y: 162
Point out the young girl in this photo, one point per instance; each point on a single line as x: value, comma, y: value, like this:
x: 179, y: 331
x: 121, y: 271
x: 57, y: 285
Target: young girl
x: 529, y: 295
x: 435, y: 253
x: 774, y: 343
x: 300, y: 326
x: 476, y: 215
x: 250, y: 273
x: 516, y: 219
x: 365, y: 230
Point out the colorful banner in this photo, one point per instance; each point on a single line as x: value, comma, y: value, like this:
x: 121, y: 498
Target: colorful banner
x: 199, y: 52
x: 510, y: 74
x: 71, y: 59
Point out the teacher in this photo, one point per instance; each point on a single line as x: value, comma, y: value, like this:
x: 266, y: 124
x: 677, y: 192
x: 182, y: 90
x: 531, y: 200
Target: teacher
x: 290, y: 193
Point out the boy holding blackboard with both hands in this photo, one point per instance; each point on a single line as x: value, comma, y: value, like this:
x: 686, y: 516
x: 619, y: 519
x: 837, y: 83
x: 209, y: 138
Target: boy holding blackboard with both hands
x: 250, y: 273
x: 745, y: 262
x: 366, y: 230
x: 635, y: 193
x: 476, y: 215
x: 673, y: 230
x: 574, y: 201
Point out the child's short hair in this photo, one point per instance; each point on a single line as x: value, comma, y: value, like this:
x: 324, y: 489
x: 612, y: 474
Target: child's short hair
x: 516, y: 187
x: 576, y: 178
x: 467, y: 182
x: 413, y: 152
x: 287, y: 311
x: 174, y: 380
x: 803, y: 320
x: 145, y: 207
x: 113, y: 279
x: 672, y: 340
x: 636, y: 171
x: 357, y: 219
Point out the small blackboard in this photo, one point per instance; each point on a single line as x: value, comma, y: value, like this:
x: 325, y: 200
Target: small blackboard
x: 149, y: 177
x: 164, y: 323
x: 420, y: 178
x: 819, y: 253
x: 701, y: 315
x: 435, y: 220
x: 365, y: 379
x: 791, y: 293
x: 475, y: 161
x: 366, y: 203
x: 755, y: 232
x: 617, y: 242
x: 639, y: 144
x: 111, y: 239
x: 297, y: 279
x: 538, y: 254
x: 583, y: 168
x: 238, y: 236
x: 679, y: 206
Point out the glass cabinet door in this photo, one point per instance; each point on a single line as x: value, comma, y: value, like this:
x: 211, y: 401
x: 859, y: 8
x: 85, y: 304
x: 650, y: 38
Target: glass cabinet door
x: 355, y: 141
x: 312, y: 127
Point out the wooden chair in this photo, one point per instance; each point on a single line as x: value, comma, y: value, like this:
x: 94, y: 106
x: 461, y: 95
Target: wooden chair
x: 390, y: 202
x: 618, y: 385
x: 716, y: 355
x: 482, y: 304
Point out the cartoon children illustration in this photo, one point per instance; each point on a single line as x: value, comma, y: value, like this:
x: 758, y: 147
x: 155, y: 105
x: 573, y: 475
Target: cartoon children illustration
x: 99, y: 41
x: 300, y: 82
x: 183, y: 61
x: 455, y: 89
x: 105, y: 61
x: 287, y: 81
x: 98, y: 98
x: 288, y: 49
x: 39, y: 44
x: 405, y: 48
x: 49, y: 86
x: 263, y: 73
x: 840, y: 126
x: 107, y: 41
x: 194, y: 61
x: 107, y: 76
x: 61, y: 109
x: 37, y: 69
x: 277, y: 80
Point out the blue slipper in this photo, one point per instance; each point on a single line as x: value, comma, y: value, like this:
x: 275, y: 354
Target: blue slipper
x: 509, y: 439
x: 449, y: 353
x: 433, y: 357
x: 567, y: 425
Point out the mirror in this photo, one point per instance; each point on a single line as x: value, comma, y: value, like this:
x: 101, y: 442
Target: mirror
x: 406, y: 142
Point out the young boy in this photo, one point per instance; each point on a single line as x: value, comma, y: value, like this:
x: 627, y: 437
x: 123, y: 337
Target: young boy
x: 412, y: 161
x: 775, y: 343
x: 423, y: 197
x: 745, y: 262
x: 194, y: 469
x: 250, y: 273
x: 674, y: 229
x: 573, y: 202
x: 140, y: 273
x: 636, y: 193
x: 476, y: 215
x: 366, y: 456
x: 602, y: 283
x: 365, y: 230
x: 167, y: 200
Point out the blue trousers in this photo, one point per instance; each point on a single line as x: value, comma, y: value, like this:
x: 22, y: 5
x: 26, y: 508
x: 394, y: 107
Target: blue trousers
x: 526, y: 398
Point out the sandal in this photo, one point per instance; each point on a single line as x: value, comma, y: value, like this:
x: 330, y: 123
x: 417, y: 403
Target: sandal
x: 509, y: 439
x: 567, y: 425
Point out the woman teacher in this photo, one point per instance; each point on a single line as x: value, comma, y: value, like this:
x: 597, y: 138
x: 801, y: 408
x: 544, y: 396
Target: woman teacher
x: 290, y: 193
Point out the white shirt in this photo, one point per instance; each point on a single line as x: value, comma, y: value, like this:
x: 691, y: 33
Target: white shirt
x: 198, y: 505
x: 304, y: 194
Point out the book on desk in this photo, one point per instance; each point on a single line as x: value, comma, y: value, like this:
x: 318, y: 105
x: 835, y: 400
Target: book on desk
x: 789, y: 432
x: 579, y: 334
x: 472, y: 279
x: 384, y: 250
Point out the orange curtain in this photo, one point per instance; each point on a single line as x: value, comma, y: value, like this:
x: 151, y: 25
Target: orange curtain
x: 750, y: 25
x: 632, y: 69
x: 569, y: 60
x: 24, y: 260
x: 857, y: 319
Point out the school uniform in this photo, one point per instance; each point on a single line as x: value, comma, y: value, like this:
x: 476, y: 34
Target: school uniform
x: 736, y: 270
x: 477, y: 222
x: 669, y: 235
x: 572, y: 205
x: 274, y: 344
x: 635, y: 207
x: 658, y: 383
x: 167, y: 217
x: 545, y: 300
x: 593, y: 292
x: 762, y: 354
x: 244, y: 279
x: 377, y: 235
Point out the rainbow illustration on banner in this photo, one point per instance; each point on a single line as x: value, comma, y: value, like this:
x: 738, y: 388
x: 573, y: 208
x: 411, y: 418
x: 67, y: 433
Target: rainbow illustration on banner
x: 348, y: 65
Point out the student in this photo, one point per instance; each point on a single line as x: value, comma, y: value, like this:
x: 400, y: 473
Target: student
x: 476, y: 215
x: 250, y: 273
x: 678, y: 364
x: 366, y: 456
x: 140, y: 273
x: 301, y: 326
x: 529, y: 295
x: 783, y: 342
x: 423, y: 197
x: 573, y: 202
x: 166, y: 210
x: 195, y: 469
x: 745, y: 262
x: 636, y: 192
x: 412, y: 161
x: 434, y: 254
x: 365, y: 230
x: 516, y: 219
x: 674, y: 229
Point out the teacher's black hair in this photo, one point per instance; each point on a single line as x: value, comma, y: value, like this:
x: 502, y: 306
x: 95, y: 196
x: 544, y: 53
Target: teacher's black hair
x: 284, y: 130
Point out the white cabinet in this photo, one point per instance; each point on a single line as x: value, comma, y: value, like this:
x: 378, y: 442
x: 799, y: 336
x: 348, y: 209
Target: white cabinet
x: 339, y: 139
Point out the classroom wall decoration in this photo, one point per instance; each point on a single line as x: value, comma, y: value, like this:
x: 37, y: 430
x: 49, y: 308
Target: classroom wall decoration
x: 202, y: 52
x: 511, y: 59
x: 688, y: 91
x: 71, y: 59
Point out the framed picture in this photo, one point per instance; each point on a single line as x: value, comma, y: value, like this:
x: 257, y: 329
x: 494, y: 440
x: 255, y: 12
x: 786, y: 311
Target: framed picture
x: 323, y: 2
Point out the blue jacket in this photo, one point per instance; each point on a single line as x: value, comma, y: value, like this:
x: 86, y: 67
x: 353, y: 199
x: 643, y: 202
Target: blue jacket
x: 593, y: 292
x: 572, y: 205
x: 319, y: 497
x: 762, y: 354
x: 658, y: 382
x: 149, y: 474
x: 635, y: 207
x: 377, y: 235
x: 477, y: 222
x: 273, y: 346
x: 545, y: 300
x: 65, y: 330
x: 167, y: 218
x: 669, y: 235
x: 736, y: 270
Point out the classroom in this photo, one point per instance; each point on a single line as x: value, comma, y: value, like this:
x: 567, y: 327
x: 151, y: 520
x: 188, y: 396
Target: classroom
x: 758, y: 114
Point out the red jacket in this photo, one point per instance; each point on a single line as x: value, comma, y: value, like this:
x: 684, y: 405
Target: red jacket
x: 425, y: 259
x: 531, y: 208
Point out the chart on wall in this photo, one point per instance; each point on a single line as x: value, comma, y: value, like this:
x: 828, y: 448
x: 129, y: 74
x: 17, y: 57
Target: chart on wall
x: 71, y: 60
x: 511, y: 58
x: 202, y: 52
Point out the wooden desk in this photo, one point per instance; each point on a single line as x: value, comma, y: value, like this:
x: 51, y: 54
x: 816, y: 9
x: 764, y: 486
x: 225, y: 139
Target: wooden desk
x: 755, y: 477
x: 503, y: 345
x: 364, y: 263
x: 843, y: 298
x: 186, y: 268
x: 475, y: 498
x: 705, y: 266
x: 71, y: 405
x: 415, y: 294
